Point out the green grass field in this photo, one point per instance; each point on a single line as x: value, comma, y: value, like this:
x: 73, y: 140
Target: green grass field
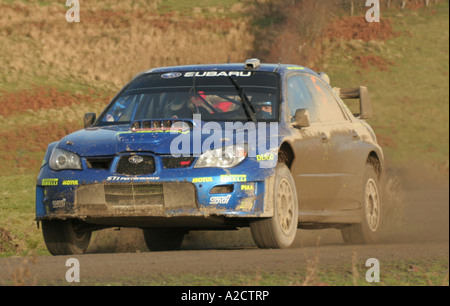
x: 411, y: 99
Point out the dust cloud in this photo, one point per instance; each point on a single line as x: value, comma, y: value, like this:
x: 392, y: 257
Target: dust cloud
x: 415, y: 210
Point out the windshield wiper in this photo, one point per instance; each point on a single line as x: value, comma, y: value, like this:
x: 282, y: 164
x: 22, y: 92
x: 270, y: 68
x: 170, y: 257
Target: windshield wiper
x: 198, y: 96
x: 248, y: 107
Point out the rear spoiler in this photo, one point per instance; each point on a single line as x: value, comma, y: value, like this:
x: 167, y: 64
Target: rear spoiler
x: 361, y: 93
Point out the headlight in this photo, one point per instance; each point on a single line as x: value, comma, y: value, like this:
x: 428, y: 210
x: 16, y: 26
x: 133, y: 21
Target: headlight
x: 226, y: 157
x: 61, y: 159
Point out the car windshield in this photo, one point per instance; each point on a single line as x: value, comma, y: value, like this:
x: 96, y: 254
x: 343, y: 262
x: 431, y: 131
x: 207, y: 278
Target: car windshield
x: 181, y: 95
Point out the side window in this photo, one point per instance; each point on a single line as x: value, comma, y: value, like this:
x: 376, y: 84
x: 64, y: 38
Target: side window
x: 299, y: 97
x: 326, y: 103
x: 122, y: 110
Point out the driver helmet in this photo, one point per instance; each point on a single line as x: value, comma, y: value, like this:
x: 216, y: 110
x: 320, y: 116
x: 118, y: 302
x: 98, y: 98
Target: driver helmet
x: 176, y: 105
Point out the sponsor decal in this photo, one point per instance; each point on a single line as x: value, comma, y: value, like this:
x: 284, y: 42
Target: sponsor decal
x: 220, y: 200
x: 70, y: 183
x: 131, y: 179
x: 202, y: 180
x: 59, y: 203
x: 247, y: 187
x: 171, y: 75
x: 50, y: 182
x: 233, y: 178
x: 135, y: 159
x: 217, y: 74
x: 295, y: 68
x: 268, y: 156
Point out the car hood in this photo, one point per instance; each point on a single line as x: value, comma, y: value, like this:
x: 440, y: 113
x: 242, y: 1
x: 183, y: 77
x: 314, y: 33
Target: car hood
x: 106, y: 141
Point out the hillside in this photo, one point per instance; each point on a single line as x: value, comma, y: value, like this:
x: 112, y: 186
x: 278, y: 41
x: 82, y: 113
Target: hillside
x: 408, y: 78
x: 53, y: 72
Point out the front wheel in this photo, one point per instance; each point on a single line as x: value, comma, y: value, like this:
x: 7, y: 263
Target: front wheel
x: 368, y: 231
x: 279, y: 231
x: 65, y: 237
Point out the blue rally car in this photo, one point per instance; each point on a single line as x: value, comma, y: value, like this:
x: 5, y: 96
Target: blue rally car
x: 216, y: 147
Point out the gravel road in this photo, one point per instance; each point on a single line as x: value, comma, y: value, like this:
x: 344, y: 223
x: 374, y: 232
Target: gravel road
x: 423, y: 234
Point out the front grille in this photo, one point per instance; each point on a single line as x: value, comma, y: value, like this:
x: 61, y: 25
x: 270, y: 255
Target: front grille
x: 136, y: 165
x: 134, y: 194
x: 177, y: 162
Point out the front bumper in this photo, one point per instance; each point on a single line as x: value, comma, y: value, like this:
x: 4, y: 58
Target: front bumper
x: 99, y: 194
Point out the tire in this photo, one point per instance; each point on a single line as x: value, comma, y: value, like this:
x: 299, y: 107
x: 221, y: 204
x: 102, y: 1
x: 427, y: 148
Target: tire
x: 163, y: 240
x: 368, y: 231
x: 279, y: 231
x: 64, y: 238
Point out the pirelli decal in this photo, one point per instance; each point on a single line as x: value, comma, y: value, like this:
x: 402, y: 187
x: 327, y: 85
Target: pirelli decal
x: 50, y: 182
x: 55, y: 182
x: 233, y: 178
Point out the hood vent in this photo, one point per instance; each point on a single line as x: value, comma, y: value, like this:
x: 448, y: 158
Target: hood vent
x: 99, y: 162
x: 162, y: 125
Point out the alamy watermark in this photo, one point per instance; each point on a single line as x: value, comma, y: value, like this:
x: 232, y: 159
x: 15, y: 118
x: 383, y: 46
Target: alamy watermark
x: 258, y: 138
x: 73, y: 273
x: 373, y: 14
x: 373, y: 274
x: 73, y: 13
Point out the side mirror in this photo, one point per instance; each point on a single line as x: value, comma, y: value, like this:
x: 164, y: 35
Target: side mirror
x: 301, y: 118
x: 89, y: 119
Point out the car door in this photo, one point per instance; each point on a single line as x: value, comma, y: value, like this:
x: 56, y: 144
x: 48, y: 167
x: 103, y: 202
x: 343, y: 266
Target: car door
x: 339, y: 177
x: 310, y: 150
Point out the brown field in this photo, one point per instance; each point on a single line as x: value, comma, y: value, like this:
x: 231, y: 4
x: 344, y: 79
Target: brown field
x: 54, y: 71
x: 111, y: 44
x: 367, y: 61
x: 355, y: 27
x: 39, y: 98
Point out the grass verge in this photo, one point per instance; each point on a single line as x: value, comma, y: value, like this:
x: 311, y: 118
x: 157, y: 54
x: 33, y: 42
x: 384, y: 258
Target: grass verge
x: 425, y: 272
x: 20, y: 233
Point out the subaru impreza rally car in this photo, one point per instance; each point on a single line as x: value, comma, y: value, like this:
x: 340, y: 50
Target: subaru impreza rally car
x: 216, y: 147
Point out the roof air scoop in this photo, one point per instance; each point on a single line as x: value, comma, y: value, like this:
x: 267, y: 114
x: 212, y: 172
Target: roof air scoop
x: 325, y: 77
x: 252, y: 63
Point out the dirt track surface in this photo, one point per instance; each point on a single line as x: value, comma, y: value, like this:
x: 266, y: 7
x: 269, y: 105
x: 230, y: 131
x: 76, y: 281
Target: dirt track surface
x: 424, y: 235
